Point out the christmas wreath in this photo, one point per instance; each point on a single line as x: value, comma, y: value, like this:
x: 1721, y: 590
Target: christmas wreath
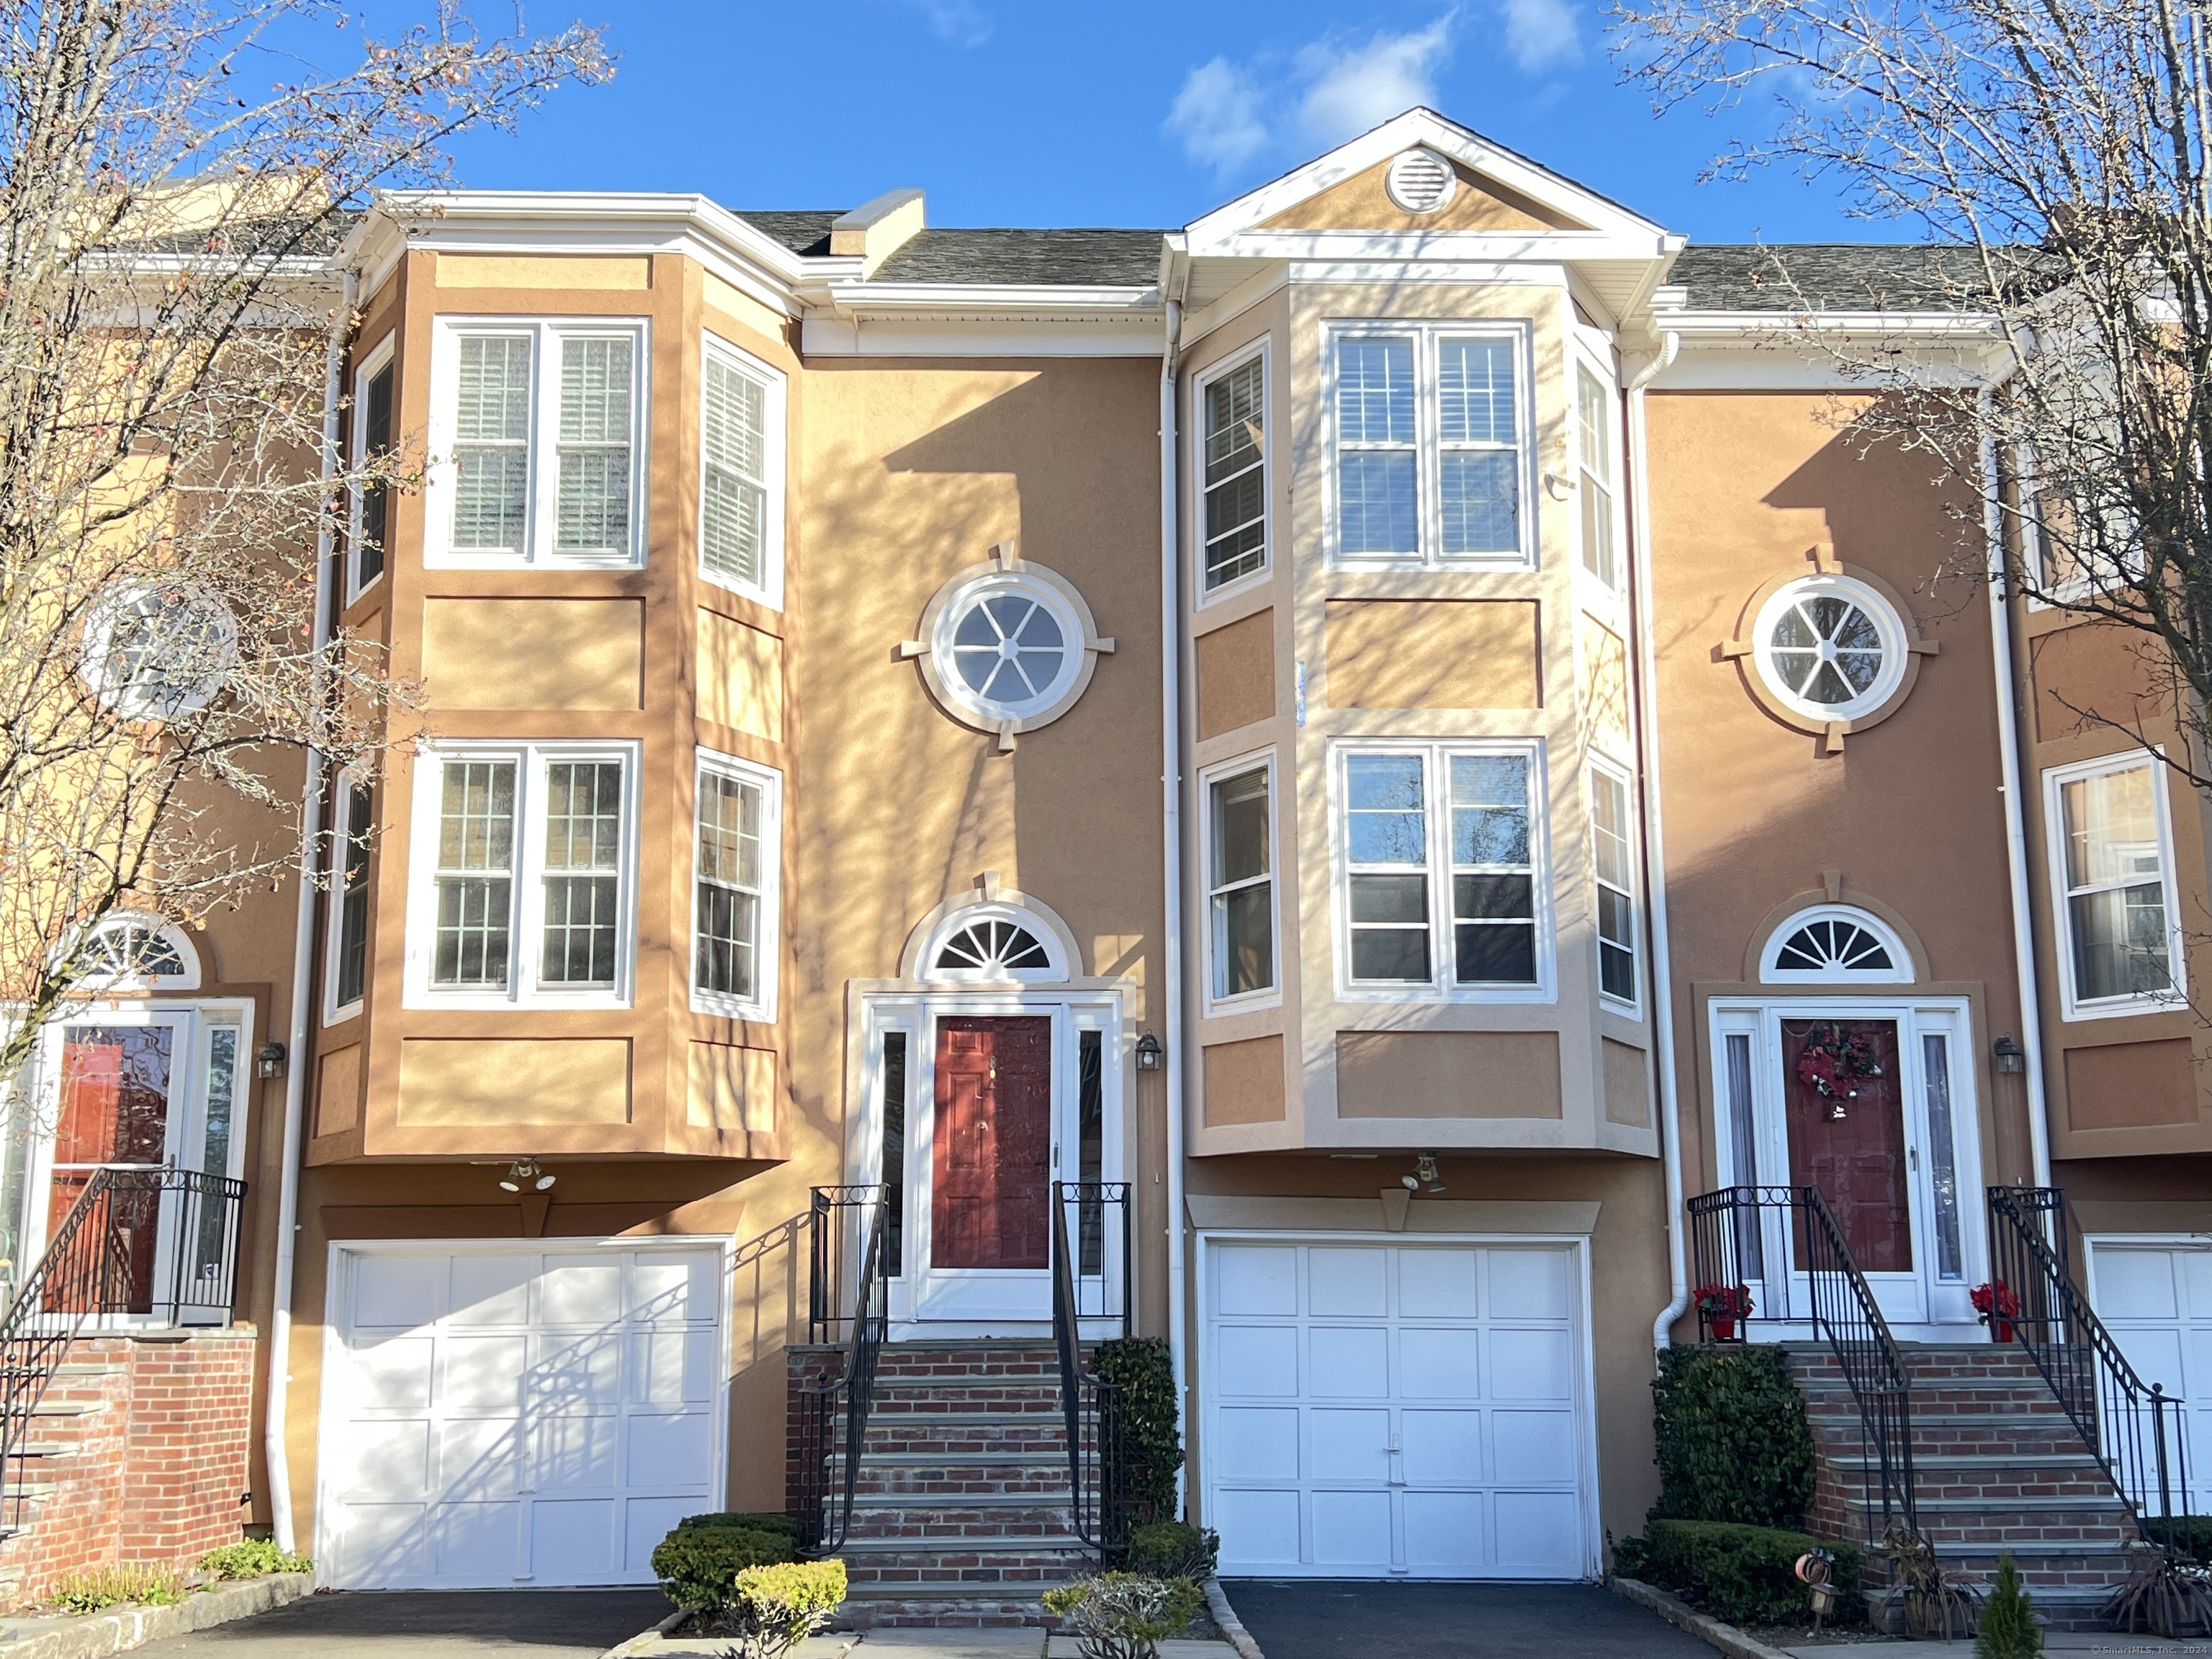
x: 1835, y: 1059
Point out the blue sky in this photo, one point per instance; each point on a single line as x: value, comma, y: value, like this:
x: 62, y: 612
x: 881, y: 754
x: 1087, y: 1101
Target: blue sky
x: 1018, y: 112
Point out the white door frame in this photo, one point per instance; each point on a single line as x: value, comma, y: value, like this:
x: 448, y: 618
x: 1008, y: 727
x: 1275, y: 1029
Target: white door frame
x: 336, y: 1280
x: 1585, y: 1404
x: 1924, y: 1298
x: 981, y: 1301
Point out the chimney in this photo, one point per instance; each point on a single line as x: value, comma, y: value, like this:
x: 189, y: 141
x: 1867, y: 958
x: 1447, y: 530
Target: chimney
x: 876, y: 230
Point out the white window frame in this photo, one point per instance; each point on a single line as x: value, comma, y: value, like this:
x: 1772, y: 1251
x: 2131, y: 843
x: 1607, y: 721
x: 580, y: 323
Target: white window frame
x: 1270, y: 995
x: 347, y: 789
x: 768, y: 591
x: 2073, y: 1008
x: 543, y: 492
x: 1428, y: 446
x: 1582, y: 364
x: 1632, y: 1007
x: 526, y: 901
x: 357, y: 447
x: 767, y: 946
x: 1229, y: 365
x: 1443, y: 946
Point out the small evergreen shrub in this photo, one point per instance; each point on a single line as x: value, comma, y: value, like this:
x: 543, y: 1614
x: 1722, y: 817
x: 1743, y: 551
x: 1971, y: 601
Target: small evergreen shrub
x: 699, y: 1563
x: 1743, y: 1574
x: 2007, y: 1628
x: 1124, y: 1615
x: 1175, y: 1549
x: 786, y: 1525
x: 146, y: 1584
x: 772, y: 1609
x: 252, y: 1557
x: 1732, y: 1440
x: 1152, y: 1433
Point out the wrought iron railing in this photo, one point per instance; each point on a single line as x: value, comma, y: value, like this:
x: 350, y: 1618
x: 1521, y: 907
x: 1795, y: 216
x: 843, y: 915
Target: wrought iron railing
x: 1092, y: 1407
x: 1777, y: 1256
x: 149, y: 1247
x: 834, y: 1414
x: 2136, y: 1430
x: 1096, y: 1215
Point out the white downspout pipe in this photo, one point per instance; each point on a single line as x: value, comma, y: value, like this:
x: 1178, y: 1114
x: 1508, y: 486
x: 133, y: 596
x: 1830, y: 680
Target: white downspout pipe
x: 295, y: 1070
x: 1655, y: 849
x: 1171, y: 799
x: 2023, y: 913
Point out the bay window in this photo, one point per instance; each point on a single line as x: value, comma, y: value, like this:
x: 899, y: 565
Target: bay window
x: 1241, y: 885
x: 735, y: 860
x: 741, y: 466
x: 1593, y: 448
x: 1236, y: 472
x: 1612, y: 853
x: 2111, y: 858
x: 347, y: 970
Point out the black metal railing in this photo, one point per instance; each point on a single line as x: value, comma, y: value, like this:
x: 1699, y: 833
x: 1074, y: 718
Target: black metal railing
x: 145, y: 1246
x: 834, y: 1414
x: 1096, y: 1217
x: 1092, y: 1408
x: 1777, y: 1256
x: 2136, y: 1430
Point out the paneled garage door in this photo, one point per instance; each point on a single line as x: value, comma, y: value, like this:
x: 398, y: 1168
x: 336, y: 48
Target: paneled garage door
x: 495, y: 1418
x: 2156, y: 1298
x: 1377, y: 1409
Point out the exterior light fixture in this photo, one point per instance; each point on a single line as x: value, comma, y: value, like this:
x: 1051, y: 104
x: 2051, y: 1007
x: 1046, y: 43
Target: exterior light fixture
x: 269, y: 1061
x: 1424, y: 1170
x: 525, y: 1172
x: 1150, y: 1055
x: 2006, y: 1056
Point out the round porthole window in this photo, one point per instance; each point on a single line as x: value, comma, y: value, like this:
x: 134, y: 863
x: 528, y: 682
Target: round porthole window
x: 154, y: 651
x: 1420, y: 181
x: 1007, y: 646
x: 1831, y: 647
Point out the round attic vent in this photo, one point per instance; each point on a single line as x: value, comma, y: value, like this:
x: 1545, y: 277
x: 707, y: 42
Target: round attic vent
x: 1420, y: 181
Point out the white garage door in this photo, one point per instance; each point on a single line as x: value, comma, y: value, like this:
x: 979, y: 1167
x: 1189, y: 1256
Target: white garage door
x: 2156, y: 1298
x: 1378, y: 1409
x: 516, y: 1417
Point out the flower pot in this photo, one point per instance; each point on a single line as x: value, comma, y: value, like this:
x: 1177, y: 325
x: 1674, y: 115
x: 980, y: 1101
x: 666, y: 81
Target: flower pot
x: 1724, y: 1329
x: 1999, y: 1329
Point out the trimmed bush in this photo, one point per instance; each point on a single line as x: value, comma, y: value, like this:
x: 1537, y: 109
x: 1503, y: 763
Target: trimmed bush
x: 1745, y: 1575
x: 1124, y: 1615
x: 788, y: 1525
x: 1733, y: 1443
x: 1175, y: 1549
x: 1152, y: 1437
x: 252, y: 1557
x: 700, y: 1562
x: 772, y: 1609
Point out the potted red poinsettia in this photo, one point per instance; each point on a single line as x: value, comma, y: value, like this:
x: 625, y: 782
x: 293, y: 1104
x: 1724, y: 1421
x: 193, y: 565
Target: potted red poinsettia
x: 1722, y: 1306
x: 1998, y: 1305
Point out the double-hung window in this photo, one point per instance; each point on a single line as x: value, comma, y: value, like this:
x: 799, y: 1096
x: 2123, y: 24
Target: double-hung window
x: 2113, y: 866
x: 1612, y: 851
x: 372, y: 444
x: 538, y: 442
x: 1432, y: 445
x: 1593, y: 446
x: 1441, y: 851
x: 347, y: 970
x: 1242, y: 882
x: 741, y: 403
x: 735, y: 855
x: 526, y: 872
x: 1235, y: 470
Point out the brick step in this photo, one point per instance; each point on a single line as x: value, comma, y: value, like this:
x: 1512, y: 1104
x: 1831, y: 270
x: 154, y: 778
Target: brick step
x: 954, y: 1607
x: 956, y: 1522
x: 2031, y: 1397
x: 960, y: 1482
x: 1015, y: 1561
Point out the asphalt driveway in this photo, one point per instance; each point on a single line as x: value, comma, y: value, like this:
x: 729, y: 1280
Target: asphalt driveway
x: 1341, y: 1619
x: 520, y: 1624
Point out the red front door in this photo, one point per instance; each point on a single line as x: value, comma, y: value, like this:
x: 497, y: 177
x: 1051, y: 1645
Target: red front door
x: 991, y: 1161
x: 1849, y: 1140
x: 114, y: 1108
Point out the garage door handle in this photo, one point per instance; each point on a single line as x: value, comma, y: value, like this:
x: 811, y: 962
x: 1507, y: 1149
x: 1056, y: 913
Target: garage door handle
x: 1397, y: 1466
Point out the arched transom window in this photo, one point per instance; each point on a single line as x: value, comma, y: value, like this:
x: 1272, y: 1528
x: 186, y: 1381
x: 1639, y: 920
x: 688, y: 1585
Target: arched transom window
x: 137, y: 953
x: 1835, y: 942
x: 994, y: 944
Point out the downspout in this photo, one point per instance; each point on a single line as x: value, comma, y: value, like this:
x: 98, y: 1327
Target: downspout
x: 303, y: 948
x: 2023, y: 913
x: 1171, y: 798
x: 1654, y: 848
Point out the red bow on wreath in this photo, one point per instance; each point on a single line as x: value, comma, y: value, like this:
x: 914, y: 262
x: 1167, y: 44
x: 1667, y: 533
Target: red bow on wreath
x: 1833, y: 1059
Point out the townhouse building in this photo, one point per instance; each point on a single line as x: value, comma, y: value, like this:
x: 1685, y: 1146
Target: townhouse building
x: 1337, y: 779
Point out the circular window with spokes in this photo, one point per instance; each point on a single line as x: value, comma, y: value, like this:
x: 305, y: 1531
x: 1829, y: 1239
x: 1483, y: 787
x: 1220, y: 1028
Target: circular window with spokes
x: 1007, y: 646
x: 1829, y: 647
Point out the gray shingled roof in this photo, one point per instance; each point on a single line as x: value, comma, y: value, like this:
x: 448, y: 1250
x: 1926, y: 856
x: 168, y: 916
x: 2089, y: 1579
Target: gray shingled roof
x: 1084, y: 258
x: 804, y: 231
x: 1828, y: 275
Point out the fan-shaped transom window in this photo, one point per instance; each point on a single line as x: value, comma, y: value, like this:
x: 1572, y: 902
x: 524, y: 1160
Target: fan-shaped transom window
x: 137, y: 953
x: 1829, y: 646
x: 994, y: 944
x: 1835, y: 943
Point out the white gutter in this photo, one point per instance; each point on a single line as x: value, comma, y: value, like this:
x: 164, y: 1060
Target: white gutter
x: 1655, y: 849
x: 303, y: 946
x: 1171, y: 831
x: 2023, y: 913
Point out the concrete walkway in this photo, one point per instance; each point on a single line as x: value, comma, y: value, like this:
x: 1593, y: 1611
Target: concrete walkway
x: 430, y: 1624
x: 1337, y: 1619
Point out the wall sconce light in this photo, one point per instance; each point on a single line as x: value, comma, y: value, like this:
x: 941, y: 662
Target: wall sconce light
x: 2006, y: 1056
x: 1425, y: 1167
x: 525, y: 1172
x: 269, y: 1061
x: 1150, y: 1055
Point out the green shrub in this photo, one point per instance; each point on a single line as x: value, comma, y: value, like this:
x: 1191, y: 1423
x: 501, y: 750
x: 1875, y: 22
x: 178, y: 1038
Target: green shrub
x: 1743, y: 1574
x: 1173, y: 1549
x: 1124, y: 1615
x: 2007, y: 1628
x: 772, y: 1609
x: 252, y: 1558
x: 1733, y: 1443
x: 1152, y: 1433
x: 786, y: 1525
x: 148, y: 1585
x: 698, y: 1563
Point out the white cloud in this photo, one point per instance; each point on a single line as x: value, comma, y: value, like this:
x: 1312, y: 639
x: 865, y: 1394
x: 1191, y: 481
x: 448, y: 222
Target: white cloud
x: 960, y: 21
x: 1350, y: 88
x: 1216, y: 117
x: 1542, y: 34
